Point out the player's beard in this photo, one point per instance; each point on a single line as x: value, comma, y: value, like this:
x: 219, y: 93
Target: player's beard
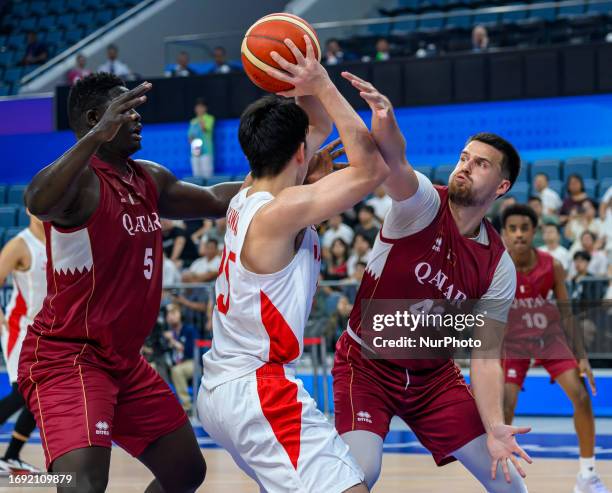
x: 463, y: 195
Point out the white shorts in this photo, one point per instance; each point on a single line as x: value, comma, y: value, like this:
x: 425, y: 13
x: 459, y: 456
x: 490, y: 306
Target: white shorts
x: 12, y: 359
x: 275, y: 433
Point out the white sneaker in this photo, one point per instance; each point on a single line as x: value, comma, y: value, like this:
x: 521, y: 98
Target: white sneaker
x: 19, y: 467
x: 5, y: 469
x: 591, y: 485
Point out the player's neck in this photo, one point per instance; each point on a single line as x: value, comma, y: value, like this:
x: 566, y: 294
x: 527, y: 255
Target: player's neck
x: 38, y: 231
x: 468, y: 219
x: 524, y: 261
x: 274, y: 185
x: 115, y: 160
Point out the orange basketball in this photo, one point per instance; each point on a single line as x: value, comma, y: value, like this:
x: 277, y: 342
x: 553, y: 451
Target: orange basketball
x: 268, y: 34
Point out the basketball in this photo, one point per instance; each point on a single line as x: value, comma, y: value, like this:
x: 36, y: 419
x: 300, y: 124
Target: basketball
x: 268, y: 34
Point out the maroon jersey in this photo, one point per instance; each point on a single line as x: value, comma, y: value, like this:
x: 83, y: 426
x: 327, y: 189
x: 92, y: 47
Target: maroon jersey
x: 534, y: 312
x: 103, y: 278
x: 438, y: 262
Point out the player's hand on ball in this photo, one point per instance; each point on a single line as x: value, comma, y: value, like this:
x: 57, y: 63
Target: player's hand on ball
x: 322, y: 162
x: 119, y: 111
x: 503, y: 447
x: 378, y: 103
x: 307, y: 75
x: 587, y: 371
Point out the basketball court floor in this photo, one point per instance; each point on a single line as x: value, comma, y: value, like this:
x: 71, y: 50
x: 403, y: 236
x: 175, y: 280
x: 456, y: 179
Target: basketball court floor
x: 406, y: 466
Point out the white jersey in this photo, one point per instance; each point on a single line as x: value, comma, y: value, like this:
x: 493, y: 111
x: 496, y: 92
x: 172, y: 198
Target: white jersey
x: 29, y: 291
x: 258, y: 318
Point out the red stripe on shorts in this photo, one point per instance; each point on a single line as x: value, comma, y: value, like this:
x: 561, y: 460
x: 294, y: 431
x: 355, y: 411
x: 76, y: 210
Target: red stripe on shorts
x: 280, y: 406
x: 14, y: 321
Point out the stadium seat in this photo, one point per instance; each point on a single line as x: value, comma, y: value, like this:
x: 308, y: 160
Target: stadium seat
x: 441, y: 173
x: 10, y: 233
x: 3, y: 189
x: 28, y: 24
x: 48, y: 22
x: 520, y: 191
x: 599, y: 7
x: 15, y: 194
x: 458, y: 18
x: 551, y: 167
x: 12, y: 75
x: 6, y: 58
x: 38, y: 8
x: 514, y: 15
x: 426, y: 22
x: 544, y: 13
x: 196, y: 180
x: 582, y: 166
x: 20, y: 9
x: 524, y: 173
x: 557, y: 186
x: 17, y: 40
x: 55, y: 37
x: 22, y: 217
x: 239, y: 177
x: 104, y: 17
x: 603, y: 168
x: 5, y: 90
x: 590, y: 187
x: 85, y: 19
x: 65, y: 21
x: 8, y: 216
x: 485, y: 19
x: 1, y: 238
x: 74, y: 36
x: 426, y: 170
x: 604, y: 185
x: 216, y: 179
x: 572, y: 10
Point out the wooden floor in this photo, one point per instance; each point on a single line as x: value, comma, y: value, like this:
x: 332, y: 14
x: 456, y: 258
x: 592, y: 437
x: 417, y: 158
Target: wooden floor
x: 401, y: 473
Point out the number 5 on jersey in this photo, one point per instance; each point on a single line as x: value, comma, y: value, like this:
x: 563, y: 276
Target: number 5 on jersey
x: 223, y: 302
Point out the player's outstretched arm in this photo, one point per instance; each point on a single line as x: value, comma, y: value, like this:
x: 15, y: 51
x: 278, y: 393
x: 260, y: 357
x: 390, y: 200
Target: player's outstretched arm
x: 182, y: 200
x: 297, y: 207
x: 11, y: 257
x: 320, y: 125
x: 402, y: 182
x: 60, y: 191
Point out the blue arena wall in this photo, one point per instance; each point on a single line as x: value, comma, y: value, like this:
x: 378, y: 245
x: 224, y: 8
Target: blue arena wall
x: 556, y: 128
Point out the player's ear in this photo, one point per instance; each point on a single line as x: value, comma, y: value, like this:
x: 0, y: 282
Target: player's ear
x: 91, y: 118
x: 301, y: 153
x: 503, y: 187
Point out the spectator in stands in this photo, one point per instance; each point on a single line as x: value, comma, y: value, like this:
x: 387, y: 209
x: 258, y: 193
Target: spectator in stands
x: 178, y: 247
x: 79, y: 71
x: 333, y: 53
x: 381, y: 203
x: 336, y: 229
x: 206, y: 268
x: 598, y: 263
x: 536, y: 204
x: 552, y: 245
x: 156, y: 350
x: 338, y: 321
x: 357, y: 275
x: 368, y: 225
x: 200, y: 135
x: 335, y: 268
x: 113, y: 65
x: 362, y: 248
x: 480, y: 38
x: 220, y: 59
x: 170, y: 274
x: 181, y: 339
x: 212, y: 229
x: 582, y: 219
x: 36, y: 52
x: 574, y: 197
x: 181, y: 68
x: 383, y: 50
x: 580, y: 269
x: 551, y: 202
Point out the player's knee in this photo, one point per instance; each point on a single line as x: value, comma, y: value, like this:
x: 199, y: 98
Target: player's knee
x: 195, y: 477
x: 581, y: 398
x: 371, y: 471
x: 91, y: 482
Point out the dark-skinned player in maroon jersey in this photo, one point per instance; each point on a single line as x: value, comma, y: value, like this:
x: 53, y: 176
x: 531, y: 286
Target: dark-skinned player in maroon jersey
x: 535, y: 330
x: 435, y: 244
x: 81, y: 372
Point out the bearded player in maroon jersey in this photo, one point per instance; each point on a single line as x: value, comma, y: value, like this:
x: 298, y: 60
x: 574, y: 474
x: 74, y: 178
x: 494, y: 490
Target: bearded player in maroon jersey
x: 81, y: 371
x: 434, y: 244
x: 535, y: 330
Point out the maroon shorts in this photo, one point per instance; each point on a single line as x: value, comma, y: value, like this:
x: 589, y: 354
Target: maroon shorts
x: 437, y: 404
x: 83, y: 406
x: 555, y: 356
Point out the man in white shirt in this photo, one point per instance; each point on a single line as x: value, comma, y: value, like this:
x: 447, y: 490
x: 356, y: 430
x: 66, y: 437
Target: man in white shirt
x: 550, y: 199
x: 381, y: 203
x: 598, y: 263
x: 337, y: 229
x: 362, y: 248
x: 206, y: 268
x: 113, y: 65
x: 552, y: 245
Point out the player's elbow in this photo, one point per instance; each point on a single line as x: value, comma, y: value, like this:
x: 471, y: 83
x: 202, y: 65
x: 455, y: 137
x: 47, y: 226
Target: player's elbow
x: 36, y: 202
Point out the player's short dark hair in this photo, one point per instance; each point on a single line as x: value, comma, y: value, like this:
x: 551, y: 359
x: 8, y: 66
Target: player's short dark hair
x: 270, y: 133
x: 583, y: 255
x: 511, y: 163
x: 519, y: 210
x: 89, y: 93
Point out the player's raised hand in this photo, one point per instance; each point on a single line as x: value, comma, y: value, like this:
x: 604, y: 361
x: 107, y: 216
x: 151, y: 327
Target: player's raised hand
x: 502, y: 446
x: 378, y: 103
x: 322, y: 162
x: 307, y: 75
x: 119, y: 111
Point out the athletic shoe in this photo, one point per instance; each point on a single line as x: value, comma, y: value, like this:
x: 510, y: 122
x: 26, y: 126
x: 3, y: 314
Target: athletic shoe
x: 591, y: 485
x: 5, y: 469
x: 20, y: 467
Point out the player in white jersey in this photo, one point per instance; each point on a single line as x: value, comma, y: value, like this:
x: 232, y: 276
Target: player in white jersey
x: 25, y: 258
x: 250, y: 401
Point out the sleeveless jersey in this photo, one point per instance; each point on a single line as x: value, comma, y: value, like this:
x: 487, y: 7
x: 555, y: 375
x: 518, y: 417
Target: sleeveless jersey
x: 437, y: 262
x: 29, y: 291
x: 258, y: 318
x: 103, y: 278
x: 534, y: 311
